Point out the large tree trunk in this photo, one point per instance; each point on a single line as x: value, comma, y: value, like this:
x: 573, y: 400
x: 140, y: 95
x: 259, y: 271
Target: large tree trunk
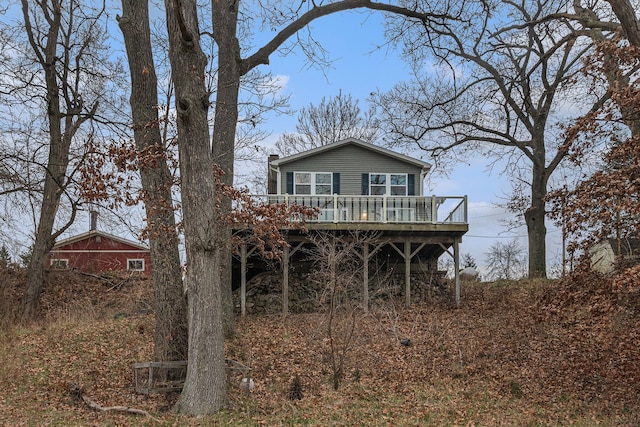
x: 224, y: 19
x: 204, y: 389
x: 57, y: 163
x: 170, y: 339
x: 535, y: 221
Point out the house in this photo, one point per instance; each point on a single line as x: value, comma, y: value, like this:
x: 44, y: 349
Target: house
x: 96, y: 251
x: 606, y: 254
x: 358, y: 186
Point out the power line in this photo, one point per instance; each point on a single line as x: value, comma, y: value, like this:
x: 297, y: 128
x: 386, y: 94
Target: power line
x: 495, y: 237
x: 489, y: 215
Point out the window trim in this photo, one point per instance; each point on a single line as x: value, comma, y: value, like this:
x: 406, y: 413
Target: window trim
x: 53, y: 261
x: 388, y: 185
x: 130, y: 260
x: 313, y: 184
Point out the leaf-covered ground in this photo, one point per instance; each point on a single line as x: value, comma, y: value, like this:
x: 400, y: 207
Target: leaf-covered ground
x: 527, y: 353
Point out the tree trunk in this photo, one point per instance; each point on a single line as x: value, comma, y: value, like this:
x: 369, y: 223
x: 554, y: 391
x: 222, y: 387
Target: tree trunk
x: 58, y: 160
x: 626, y: 13
x: 224, y: 19
x: 535, y: 221
x: 170, y: 339
x: 204, y: 389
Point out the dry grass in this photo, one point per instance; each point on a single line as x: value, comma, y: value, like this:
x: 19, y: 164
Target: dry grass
x: 491, y: 362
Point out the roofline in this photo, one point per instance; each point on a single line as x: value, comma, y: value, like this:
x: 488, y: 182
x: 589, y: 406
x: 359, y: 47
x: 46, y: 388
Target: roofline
x: 90, y: 233
x: 367, y: 145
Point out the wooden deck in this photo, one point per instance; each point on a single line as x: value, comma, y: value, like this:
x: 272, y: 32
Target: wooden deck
x: 413, y: 228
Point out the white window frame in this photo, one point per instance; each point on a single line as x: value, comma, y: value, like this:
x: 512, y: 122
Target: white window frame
x: 130, y: 260
x: 54, y: 263
x: 388, y: 185
x: 313, y: 184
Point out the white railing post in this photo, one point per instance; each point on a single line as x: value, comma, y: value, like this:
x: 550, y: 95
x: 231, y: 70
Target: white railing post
x: 335, y: 208
x: 384, y: 208
x: 434, y: 209
x: 466, y: 218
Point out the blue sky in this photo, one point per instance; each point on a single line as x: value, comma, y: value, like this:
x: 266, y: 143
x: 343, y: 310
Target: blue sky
x: 359, y: 68
x: 363, y: 64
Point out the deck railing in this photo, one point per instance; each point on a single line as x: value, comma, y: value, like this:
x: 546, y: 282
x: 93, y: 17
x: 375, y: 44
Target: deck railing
x: 380, y: 209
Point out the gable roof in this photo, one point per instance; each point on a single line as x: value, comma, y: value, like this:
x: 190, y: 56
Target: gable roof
x: 92, y: 233
x: 351, y: 141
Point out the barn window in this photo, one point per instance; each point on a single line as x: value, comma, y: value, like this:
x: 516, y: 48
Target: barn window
x: 59, y: 264
x: 135, y: 264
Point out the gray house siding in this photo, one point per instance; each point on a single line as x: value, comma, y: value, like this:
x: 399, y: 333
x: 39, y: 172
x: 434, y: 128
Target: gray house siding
x: 350, y: 162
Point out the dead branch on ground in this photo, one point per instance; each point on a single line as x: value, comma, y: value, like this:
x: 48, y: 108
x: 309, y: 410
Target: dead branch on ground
x: 78, y: 392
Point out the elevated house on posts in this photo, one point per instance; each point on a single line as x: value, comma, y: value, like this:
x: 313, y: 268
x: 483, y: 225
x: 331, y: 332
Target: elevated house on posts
x: 360, y: 187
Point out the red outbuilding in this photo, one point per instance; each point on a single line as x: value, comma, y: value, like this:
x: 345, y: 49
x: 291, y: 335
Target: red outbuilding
x: 96, y: 251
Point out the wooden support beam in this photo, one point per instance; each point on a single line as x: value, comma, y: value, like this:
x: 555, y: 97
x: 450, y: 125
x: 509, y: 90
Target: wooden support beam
x: 407, y: 272
x: 286, y: 256
x: 244, y: 255
x: 243, y: 279
x: 285, y: 281
x: 446, y: 249
x: 365, y: 256
x: 422, y: 245
x: 456, y: 263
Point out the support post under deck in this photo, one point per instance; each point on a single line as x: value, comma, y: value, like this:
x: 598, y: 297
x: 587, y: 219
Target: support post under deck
x: 456, y: 262
x: 243, y: 279
x: 407, y: 271
x: 285, y: 281
x: 365, y: 273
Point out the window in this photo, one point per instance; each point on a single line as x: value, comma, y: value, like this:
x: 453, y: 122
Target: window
x: 323, y: 183
x: 313, y: 183
x: 135, y: 264
x: 59, y: 264
x: 398, y: 185
x: 388, y: 183
x: 302, y: 183
x: 377, y: 184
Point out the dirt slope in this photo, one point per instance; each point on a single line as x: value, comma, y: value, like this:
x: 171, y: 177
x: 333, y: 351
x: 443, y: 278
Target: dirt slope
x: 527, y: 353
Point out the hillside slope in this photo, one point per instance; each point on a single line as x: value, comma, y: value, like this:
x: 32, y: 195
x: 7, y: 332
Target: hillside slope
x: 525, y: 353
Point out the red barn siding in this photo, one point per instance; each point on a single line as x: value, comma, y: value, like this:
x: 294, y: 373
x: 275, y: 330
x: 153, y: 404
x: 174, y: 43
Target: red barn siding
x: 99, y: 252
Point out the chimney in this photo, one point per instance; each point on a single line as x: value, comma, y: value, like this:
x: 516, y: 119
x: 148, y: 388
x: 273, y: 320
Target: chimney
x: 93, y: 220
x: 272, y: 175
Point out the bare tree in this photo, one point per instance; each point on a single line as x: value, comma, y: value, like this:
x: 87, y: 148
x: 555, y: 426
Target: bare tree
x: 505, y: 91
x: 205, y: 386
x: 334, y: 119
x: 62, y: 71
x: 205, y: 389
x: 170, y: 338
x: 506, y: 261
x: 337, y: 269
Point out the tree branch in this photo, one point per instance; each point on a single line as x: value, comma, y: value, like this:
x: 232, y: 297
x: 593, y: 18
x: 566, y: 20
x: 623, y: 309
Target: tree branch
x: 262, y: 55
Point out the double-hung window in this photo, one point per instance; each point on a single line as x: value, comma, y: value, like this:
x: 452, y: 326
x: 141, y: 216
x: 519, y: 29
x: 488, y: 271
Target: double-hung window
x: 398, y: 184
x: 313, y: 183
x: 388, y: 184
